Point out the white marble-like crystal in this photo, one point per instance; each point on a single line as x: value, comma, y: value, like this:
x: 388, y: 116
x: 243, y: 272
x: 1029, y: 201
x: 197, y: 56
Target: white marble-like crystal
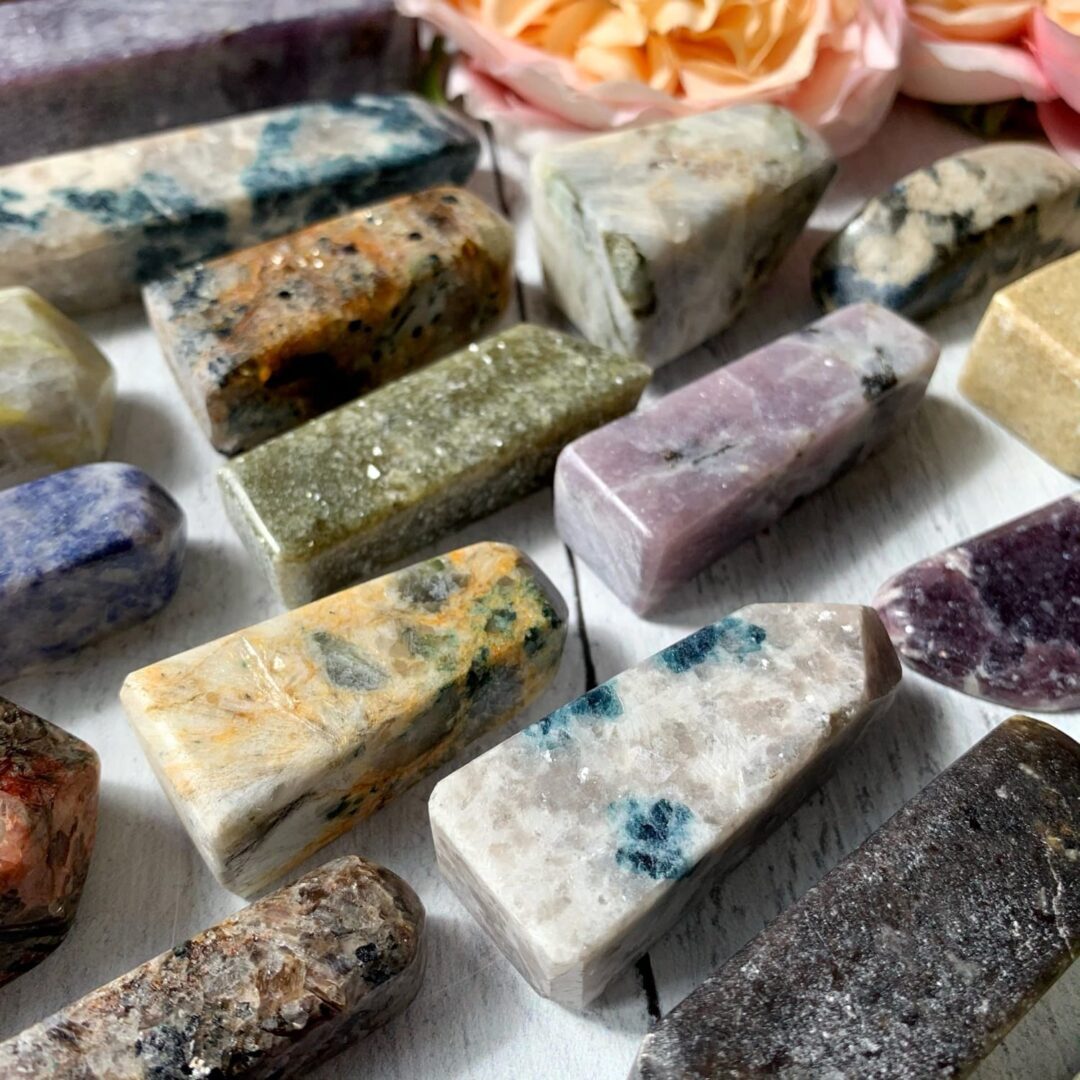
x: 56, y: 390
x: 653, y: 239
x: 577, y: 842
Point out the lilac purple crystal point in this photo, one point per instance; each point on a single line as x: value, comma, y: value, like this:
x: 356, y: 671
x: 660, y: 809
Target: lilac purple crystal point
x: 997, y: 616
x: 655, y: 497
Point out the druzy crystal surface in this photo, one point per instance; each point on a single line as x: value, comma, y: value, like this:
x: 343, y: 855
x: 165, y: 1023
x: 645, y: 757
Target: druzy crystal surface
x: 269, y: 992
x: 351, y: 492
x: 86, y: 229
x: 653, y: 239
x: 83, y: 553
x: 997, y: 616
x: 273, y: 740
x: 652, y: 499
x: 266, y: 338
x: 48, y: 820
x: 576, y: 842
x: 920, y: 951
x: 56, y: 390
x: 951, y: 231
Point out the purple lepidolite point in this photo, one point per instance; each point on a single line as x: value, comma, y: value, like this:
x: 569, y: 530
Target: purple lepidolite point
x: 997, y: 616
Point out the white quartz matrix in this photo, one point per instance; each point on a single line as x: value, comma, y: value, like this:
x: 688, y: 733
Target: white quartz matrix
x: 577, y: 842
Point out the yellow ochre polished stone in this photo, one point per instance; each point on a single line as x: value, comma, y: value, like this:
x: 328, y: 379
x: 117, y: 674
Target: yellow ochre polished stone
x: 1024, y: 364
x: 273, y: 740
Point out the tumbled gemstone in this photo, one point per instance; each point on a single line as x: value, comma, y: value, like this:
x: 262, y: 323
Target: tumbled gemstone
x: 1024, y: 363
x: 48, y: 820
x: 266, y: 338
x: 997, y: 616
x: 920, y: 951
x: 954, y: 230
x: 654, y: 239
x: 353, y: 491
x: 56, y: 390
x: 577, y: 842
x: 83, y: 553
x: 268, y: 992
x: 273, y: 740
x: 652, y: 499
x: 86, y: 229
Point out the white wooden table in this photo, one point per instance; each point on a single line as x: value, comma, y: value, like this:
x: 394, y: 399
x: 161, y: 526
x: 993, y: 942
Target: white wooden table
x: 951, y: 474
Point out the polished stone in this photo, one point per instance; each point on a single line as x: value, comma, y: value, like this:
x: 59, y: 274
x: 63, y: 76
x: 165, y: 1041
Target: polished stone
x: 269, y: 992
x: 266, y: 338
x: 997, y: 616
x: 954, y: 230
x: 273, y: 740
x: 654, y: 239
x: 920, y: 951
x: 577, y: 842
x: 86, y: 229
x: 83, y: 553
x: 1024, y: 364
x: 78, y: 72
x: 351, y: 492
x: 57, y: 391
x: 652, y: 499
x: 48, y: 820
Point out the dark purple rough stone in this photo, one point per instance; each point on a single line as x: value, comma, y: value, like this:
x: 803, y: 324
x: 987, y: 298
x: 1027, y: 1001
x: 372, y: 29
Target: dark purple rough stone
x: 997, y: 616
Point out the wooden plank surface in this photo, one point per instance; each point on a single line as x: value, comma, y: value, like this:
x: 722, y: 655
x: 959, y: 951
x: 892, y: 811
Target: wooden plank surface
x: 952, y: 473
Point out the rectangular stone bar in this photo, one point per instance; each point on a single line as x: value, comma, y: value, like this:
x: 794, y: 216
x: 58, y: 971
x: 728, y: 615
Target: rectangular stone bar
x: 577, y: 842
x: 269, y: 992
x: 78, y: 72
x: 920, y: 951
x: 652, y: 499
x: 266, y: 338
x: 355, y: 490
x: 273, y: 740
x: 654, y: 239
x: 1024, y: 364
x: 86, y: 229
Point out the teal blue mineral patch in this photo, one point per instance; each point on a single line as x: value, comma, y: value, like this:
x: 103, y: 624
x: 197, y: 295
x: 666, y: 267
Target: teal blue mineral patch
x: 344, y: 665
x: 732, y: 636
x: 653, y: 837
x: 555, y: 730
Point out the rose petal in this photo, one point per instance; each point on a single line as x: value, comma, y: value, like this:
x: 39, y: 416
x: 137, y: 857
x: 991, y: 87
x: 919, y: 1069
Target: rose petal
x: 1059, y: 55
x: 981, y: 22
x: 1062, y: 127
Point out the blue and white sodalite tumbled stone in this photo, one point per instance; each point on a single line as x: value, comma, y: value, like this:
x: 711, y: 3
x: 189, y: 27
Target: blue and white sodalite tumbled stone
x: 963, y: 226
x: 83, y: 553
x: 653, y: 239
x: 86, y: 229
x: 577, y: 842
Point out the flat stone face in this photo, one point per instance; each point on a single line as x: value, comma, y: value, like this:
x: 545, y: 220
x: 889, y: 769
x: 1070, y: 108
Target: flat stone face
x: 962, y: 226
x: 577, y: 842
x: 273, y: 740
x: 48, y: 820
x: 1024, y: 364
x: 87, y: 229
x: 997, y: 616
x: 269, y: 992
x: 917, y: 954
x: 75, y: 73
x: 653, y: 239
x: 264, y: 339
x: 84, y: 552
x: 56, y: 390
x: 652, y: 499
x: 353, y: 491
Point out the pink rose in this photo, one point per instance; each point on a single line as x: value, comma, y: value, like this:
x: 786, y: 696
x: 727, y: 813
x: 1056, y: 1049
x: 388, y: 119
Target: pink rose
x: 973, y: 51
x: 602, y: 64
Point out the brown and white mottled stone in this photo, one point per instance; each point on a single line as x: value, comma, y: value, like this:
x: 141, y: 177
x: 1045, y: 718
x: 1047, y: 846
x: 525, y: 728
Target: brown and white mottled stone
x: 268, y: 992
x: 48, y: 819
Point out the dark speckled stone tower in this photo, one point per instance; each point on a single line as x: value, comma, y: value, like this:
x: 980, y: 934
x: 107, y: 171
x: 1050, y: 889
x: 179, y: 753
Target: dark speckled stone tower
x: 917, y: 954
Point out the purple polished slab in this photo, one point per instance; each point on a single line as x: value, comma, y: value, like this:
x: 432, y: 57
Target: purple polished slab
x: 997, y: 616
x: 78, y: 72
x: 652, y: 499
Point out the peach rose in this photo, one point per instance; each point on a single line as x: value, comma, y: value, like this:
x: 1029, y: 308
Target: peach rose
x: 599, y: 64
x: 973, y: 51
